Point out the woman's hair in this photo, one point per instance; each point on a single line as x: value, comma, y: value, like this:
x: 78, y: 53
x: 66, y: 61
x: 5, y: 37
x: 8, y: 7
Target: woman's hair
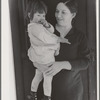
x: 72, y: 5
x: 35, y: 6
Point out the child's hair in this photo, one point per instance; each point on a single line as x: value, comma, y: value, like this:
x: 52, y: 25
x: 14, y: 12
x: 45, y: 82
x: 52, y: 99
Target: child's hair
x: 35, y: 6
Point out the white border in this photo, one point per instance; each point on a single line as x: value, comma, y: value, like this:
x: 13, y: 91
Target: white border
x: 97, y: 42
x: 8, y: 88
x: 5, y: 70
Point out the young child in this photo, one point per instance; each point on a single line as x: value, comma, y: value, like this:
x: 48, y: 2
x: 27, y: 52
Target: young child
x: 44, y: 46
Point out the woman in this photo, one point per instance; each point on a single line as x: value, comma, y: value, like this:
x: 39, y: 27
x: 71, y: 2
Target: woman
x: 67, y: 82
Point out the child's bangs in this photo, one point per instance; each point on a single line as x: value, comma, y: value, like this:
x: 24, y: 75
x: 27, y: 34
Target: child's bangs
x: 41, y: 8
x: 40, y: 11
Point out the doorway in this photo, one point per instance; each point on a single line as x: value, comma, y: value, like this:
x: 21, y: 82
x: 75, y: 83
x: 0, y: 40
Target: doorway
x: 24, y: 70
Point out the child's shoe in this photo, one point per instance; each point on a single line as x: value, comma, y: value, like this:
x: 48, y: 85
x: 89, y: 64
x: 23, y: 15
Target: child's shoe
x: 46, y: 98
x: 32, y: 96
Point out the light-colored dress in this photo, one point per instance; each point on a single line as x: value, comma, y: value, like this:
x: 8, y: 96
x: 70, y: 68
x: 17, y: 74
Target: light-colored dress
x: 42, y: 54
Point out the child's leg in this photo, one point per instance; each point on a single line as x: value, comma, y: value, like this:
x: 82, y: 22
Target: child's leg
x: 34, y: 85
x: 36, y: 80
x: 47, y: 85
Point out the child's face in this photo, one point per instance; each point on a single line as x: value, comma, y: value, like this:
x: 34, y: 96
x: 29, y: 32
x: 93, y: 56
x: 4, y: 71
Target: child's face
x: 38, y: 17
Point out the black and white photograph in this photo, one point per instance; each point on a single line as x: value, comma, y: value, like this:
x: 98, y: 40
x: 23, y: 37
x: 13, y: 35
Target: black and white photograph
x: 66, y: 31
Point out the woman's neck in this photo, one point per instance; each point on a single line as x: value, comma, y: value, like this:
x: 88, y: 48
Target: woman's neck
x: 63, y: 30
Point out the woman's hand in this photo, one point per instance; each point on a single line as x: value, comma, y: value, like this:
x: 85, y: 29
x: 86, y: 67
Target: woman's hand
x: 57, y: 67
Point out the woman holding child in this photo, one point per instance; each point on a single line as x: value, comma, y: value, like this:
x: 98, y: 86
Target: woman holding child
x: 67, y: 82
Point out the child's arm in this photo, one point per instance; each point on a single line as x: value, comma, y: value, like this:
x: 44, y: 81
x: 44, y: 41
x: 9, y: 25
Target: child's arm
x: 50, y: 28
x: 47, y: 25
x: 63, y: 40
x: 37, y: 33
x: 36, y: 41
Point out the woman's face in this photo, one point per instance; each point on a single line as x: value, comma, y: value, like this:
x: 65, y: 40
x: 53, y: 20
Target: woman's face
x: 63, y: 15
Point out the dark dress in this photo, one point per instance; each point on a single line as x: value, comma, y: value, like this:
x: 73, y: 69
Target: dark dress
x: 67, y: 85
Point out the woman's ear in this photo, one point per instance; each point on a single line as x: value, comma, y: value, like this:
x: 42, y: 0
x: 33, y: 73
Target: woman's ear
x: 74, y: 14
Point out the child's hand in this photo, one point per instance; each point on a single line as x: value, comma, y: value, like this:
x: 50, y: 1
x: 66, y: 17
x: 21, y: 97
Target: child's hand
x: 44, y: 23
x: 63, y: 40
x: 56, y: 52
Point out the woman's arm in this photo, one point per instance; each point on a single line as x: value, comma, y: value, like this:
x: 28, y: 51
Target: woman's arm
x: 80, y: 63
x: 83, y: 60
x: 57, y: 67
